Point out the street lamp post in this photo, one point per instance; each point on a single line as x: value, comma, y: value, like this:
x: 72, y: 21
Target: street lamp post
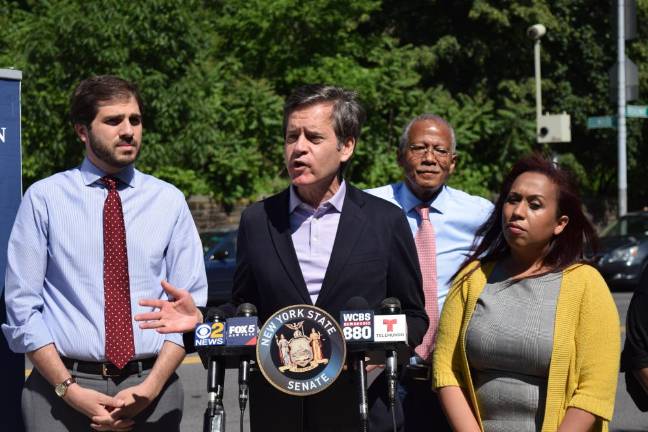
x: 550, y: 128
x: 536, y: 32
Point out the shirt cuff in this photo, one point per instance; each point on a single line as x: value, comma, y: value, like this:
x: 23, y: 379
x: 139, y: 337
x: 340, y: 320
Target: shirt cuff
x: 28, y: 337
x: 175, y: 338
x: 445, y: 380
x: 595, y: 406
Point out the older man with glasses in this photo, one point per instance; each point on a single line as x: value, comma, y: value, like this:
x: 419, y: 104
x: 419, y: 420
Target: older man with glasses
x: 443, y: 221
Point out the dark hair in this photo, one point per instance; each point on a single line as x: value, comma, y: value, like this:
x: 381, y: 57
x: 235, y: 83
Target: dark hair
x: 347, y: 115
x: 565, y: 248
x: 91, y: 92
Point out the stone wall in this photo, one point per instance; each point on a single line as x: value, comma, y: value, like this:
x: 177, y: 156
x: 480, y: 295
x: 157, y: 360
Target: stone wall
x: 208, y: 214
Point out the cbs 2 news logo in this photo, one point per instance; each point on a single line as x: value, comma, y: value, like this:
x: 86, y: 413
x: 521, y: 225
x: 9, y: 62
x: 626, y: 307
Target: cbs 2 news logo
x: 210, y: 334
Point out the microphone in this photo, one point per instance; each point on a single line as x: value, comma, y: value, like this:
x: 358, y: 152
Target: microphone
x: 391, y: 306
x: 356, y: 318
x: 249, y: 326
x: 214, y: 418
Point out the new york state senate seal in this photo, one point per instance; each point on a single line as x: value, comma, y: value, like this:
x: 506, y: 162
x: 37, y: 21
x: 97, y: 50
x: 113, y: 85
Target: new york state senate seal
x: 301, y: 350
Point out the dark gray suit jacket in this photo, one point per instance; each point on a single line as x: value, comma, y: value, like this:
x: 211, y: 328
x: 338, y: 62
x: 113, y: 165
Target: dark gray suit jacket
x: 373, y: 257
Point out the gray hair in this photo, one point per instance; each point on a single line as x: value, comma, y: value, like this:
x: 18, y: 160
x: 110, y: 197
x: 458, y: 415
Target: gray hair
x: 347, y: 115
x: 404, y: 139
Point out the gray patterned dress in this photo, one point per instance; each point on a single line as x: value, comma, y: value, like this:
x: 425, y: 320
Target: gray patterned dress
x: 508, y: 343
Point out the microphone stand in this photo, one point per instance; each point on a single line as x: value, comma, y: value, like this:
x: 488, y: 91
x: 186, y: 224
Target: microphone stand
x: 392, y: 376
x: 247, y: 310
x: 361, y: 373
x: 244, y: 372
x: 391, y: 306
x: 214, y: 418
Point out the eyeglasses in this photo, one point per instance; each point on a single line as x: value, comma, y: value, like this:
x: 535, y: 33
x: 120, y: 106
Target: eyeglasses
x: 419, y: 150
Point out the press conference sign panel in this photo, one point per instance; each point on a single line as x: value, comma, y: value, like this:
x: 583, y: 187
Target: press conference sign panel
x: 12, y: 365
x: 10, y: 163
x: 301, y: 350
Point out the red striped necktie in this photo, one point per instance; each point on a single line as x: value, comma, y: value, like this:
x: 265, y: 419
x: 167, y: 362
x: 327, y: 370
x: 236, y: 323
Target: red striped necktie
x: 426, y: 249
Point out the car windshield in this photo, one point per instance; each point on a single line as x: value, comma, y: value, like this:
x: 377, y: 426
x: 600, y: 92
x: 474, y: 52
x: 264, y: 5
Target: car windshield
x: 225, y: 248
x: 211, y: 238
x: 630, y: 225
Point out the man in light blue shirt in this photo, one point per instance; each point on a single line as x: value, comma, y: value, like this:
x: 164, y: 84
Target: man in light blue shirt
x: 427, y: 155
x: 56, y: 309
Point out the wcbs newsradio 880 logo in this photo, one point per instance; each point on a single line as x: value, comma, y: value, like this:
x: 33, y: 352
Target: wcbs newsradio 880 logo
x: 357, y: 326
x: 366, y: 326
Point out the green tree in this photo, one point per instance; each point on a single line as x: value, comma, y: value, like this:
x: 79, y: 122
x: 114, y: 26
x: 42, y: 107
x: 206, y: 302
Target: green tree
x: 214, y: 74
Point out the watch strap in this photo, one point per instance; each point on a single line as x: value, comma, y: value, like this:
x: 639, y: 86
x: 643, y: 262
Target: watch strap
x: 61, y: 388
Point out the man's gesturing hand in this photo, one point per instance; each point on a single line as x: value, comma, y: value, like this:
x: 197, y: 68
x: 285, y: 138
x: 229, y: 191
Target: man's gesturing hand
x: 173, y: 316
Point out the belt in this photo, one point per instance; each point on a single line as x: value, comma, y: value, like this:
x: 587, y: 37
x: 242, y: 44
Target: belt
x: 108, y: 370
x: 418, y: 372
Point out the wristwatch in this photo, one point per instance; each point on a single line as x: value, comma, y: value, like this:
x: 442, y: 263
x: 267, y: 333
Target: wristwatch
x: 61, y: 389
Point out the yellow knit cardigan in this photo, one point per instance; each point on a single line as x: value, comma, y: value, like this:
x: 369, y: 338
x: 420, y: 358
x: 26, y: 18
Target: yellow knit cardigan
x: 585, y: 357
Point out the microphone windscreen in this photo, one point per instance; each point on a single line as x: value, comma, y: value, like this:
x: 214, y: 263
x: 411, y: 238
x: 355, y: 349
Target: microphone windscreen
x: 356, y: 303
x: 390, y: 305
x: 215, y: 314
x: 246, y: 310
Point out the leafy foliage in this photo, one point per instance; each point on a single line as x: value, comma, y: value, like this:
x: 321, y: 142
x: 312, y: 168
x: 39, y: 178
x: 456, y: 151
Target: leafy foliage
x: 214, y: 74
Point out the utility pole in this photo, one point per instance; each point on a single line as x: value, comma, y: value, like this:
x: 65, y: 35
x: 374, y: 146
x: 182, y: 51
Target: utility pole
x: 621, y: 111
x: 624, y: 87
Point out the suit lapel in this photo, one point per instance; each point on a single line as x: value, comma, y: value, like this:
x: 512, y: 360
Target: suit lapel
x: 350, y: 228
x: 279, y: 227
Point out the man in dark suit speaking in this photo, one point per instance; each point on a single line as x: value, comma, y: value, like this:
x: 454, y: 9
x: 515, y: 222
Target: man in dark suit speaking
x: 322, y: 241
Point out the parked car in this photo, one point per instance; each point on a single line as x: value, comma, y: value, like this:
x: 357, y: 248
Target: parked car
x: 623, y: 256
x: 220, y: 262
x: 210, y: 238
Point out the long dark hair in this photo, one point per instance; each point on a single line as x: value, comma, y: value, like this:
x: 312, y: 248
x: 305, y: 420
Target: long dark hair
x: 566, y: 248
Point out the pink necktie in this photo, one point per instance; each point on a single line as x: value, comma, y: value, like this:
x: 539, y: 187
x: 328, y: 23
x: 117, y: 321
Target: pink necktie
x: 119, y: 324
x: 426, y: 248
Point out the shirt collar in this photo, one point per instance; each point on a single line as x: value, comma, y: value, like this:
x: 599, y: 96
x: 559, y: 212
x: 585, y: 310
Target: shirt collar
x: 336, y: 201
x: 409, y: 201
x: 92, y: 174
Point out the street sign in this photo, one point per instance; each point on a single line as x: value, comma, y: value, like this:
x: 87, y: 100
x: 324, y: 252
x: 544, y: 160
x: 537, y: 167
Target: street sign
x: 640, y: 111
x: 603, y: 122
x: 631, y: 81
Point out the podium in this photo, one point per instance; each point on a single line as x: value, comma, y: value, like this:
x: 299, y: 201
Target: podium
x: 335, y: 409
x: 311, y: 374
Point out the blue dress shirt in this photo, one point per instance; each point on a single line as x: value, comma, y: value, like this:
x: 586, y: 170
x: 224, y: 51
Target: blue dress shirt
x: 54, y: 281
x: 455, y: 216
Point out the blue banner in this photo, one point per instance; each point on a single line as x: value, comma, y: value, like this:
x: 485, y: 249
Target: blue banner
x: 10, y: 161
x: 12, y: 365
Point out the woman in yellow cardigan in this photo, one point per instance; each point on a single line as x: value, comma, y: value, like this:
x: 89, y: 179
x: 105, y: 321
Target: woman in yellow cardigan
x: 529, y: 336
